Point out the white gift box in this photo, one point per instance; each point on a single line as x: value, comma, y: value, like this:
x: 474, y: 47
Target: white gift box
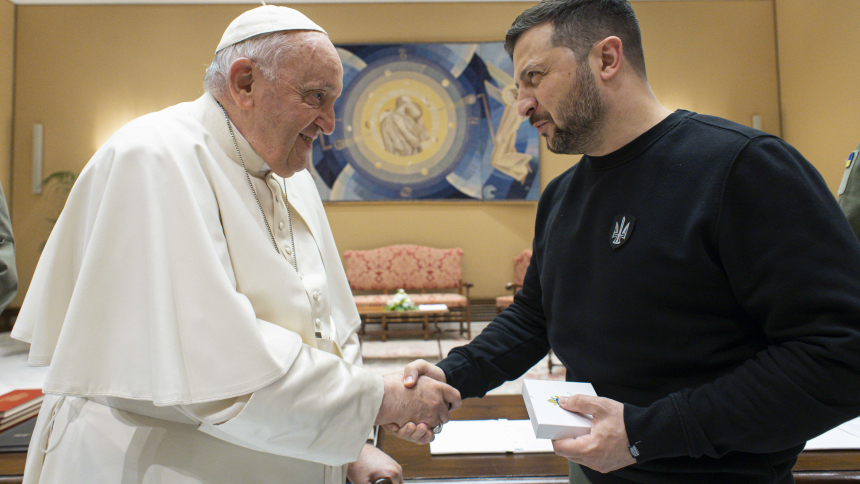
x: 549, y: 420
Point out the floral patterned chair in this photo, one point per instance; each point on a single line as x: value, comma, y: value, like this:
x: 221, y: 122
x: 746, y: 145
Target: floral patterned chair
x: 521, y: 263
x: 434, y: 273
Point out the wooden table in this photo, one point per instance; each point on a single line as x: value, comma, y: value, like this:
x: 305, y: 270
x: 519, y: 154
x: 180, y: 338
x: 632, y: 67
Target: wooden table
x: 419, y: 466
x: 378, y: 315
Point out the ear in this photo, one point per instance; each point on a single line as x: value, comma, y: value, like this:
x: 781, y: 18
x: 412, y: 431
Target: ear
x: 241, y: 82
x: 611, y: 53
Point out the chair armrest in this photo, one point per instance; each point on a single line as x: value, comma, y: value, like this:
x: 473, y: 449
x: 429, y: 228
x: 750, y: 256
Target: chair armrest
x: 513, y: 287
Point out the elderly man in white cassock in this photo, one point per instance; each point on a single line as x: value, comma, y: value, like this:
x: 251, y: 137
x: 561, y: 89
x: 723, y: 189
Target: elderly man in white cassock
x: 191, y: 302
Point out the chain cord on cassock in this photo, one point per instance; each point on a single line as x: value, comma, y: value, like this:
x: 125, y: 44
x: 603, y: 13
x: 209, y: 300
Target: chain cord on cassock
x: 283, y: 187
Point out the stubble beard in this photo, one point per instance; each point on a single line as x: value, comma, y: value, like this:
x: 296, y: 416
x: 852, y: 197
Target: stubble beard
x: 582, y: 114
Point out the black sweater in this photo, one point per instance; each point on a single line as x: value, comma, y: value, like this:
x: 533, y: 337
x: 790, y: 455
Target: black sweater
x: 727, y: 321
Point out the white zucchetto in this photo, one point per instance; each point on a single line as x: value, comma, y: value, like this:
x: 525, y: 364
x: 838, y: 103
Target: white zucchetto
x: 264, y: 20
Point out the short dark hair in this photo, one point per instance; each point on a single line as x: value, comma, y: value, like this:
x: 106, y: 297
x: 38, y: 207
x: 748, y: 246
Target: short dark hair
x: 579, y: 24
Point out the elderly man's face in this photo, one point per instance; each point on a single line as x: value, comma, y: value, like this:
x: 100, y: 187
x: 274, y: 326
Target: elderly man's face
x: 298, y: 106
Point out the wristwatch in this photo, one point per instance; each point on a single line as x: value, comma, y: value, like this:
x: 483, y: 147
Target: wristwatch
x: 633, y: 450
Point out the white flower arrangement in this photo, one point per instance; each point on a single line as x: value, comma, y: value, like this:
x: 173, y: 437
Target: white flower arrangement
x: 400, y: 302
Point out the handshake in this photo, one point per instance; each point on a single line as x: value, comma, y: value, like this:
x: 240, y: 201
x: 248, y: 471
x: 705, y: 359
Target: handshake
x: 420, y: 399
x: 416, y: 402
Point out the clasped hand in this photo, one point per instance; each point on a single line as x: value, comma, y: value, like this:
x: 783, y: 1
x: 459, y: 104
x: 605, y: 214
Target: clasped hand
x: 420, y: 431
x: 426, y: 401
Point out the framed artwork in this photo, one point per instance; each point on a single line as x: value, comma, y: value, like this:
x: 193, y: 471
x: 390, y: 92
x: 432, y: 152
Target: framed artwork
x: 427, y: 122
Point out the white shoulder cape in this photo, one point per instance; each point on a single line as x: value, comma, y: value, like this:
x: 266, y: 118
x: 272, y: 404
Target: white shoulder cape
x: 158, y: 284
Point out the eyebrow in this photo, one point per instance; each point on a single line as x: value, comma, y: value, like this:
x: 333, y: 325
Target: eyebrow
x: 318, y: 87
x: 523, y: 73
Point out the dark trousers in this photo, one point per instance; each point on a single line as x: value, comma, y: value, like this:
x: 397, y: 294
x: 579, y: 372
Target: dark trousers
x: 575, y: 475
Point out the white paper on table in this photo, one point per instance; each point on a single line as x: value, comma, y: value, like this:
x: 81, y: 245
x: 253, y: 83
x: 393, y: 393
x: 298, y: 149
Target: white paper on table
x: 524, y: 438
x: 834, y: 439
x: 488, y: 437
x: 432, y: 307
x: 852, y: 427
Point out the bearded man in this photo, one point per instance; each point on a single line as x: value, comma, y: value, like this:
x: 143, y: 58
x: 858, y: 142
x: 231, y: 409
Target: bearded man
x: 697, y: 272
x: 191, y: 302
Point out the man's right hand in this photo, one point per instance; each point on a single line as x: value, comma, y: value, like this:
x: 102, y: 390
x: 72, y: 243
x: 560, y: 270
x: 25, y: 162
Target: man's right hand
x: 425, y: 401
x: 419, y: 433
x: 420, y: 367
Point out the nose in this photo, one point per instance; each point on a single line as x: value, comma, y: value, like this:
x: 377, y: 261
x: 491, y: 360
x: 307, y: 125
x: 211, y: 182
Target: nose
x: 326, y: 120
x: 526, y: 103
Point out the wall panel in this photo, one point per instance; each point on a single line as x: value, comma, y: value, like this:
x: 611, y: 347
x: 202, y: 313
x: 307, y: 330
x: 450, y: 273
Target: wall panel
x: 716, y: 57
x: 819, y: 56
x: 7, y: 59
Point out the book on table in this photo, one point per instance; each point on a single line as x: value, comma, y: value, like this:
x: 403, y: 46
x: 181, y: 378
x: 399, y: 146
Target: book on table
x: 16, y: 419
x: 18, y: 405
x: 17, y: 438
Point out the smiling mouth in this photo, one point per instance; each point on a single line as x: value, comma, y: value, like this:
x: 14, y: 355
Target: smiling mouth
x: 306, y: 138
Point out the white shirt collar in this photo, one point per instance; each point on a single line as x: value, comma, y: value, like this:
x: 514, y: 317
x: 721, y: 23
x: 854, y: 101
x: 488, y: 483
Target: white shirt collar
x: 211, y: 116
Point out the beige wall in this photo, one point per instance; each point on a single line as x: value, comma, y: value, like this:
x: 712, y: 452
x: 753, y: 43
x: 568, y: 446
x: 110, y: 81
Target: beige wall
x: 136, y: 59
x: 819, y: 58
x: 7, y: 58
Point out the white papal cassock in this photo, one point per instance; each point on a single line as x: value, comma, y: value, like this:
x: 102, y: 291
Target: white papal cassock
x: 181, y: 345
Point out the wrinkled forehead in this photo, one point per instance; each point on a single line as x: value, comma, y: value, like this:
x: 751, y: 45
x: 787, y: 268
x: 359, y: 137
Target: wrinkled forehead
x: 532, y: 43
x: 314, y: 56
x: 310, y: 43
x: 533, y: 51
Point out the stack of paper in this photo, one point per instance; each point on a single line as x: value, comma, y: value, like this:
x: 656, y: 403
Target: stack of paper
x: 843, y: 437
x: 488, y: 437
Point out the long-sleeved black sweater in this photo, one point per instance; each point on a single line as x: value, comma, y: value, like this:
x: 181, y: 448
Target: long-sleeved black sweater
x: 728, y: 319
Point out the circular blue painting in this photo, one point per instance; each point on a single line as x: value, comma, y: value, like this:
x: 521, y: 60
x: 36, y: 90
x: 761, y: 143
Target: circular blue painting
x: 417, y: 122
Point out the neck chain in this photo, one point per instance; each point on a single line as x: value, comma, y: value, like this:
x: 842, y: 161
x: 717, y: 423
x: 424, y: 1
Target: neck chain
x: 284, y: 188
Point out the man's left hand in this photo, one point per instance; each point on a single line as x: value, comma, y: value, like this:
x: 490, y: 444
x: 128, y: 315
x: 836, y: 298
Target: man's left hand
x: 605, y: 449
x: 372, y: 465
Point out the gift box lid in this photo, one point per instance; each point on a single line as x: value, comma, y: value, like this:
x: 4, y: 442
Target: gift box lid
x: 541, y: 399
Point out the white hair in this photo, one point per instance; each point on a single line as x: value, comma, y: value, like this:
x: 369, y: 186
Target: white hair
x: 267, y: 51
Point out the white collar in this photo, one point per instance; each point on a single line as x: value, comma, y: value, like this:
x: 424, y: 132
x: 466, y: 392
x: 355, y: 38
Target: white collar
x: 212, y: 118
